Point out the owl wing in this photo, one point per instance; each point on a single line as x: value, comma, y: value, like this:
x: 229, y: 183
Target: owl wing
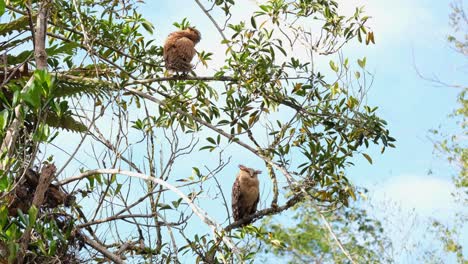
x: 237, y: 207
x: 168, y: 48
x: 253, y: 209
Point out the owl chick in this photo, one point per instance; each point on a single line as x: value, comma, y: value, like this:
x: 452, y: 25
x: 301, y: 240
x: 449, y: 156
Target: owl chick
x: 245, y: 193
x: 179, y: 50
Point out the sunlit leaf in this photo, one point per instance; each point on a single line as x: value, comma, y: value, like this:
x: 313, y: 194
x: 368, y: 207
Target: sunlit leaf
x: 368, y: 158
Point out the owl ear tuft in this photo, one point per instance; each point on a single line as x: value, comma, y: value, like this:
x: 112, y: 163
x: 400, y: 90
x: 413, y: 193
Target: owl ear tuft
x: 244, y: 168
x: 258, y: 172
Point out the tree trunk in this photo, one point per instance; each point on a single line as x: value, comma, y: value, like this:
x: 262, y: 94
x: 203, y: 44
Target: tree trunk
x: 40, y: 55
x: 8, y: 145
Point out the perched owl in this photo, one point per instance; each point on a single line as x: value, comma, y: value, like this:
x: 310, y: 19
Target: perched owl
x: 245, y: 193
x: 179, y: 49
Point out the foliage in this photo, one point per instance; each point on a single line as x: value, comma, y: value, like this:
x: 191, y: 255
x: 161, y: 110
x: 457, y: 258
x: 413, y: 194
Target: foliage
x: 454, y: 146
x: 306, y: 240
x: 103, y: 73
x: 459, y: 24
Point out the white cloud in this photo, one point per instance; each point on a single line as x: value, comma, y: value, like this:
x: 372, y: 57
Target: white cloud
x: 425, y: 194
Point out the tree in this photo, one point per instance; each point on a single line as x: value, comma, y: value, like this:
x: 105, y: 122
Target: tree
x: 92, y: 70
x: 428, y: 240
x: 305, y: 240
x: 453, y: 145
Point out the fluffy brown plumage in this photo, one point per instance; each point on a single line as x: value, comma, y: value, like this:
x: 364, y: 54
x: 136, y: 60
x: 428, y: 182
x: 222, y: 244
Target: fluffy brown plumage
x: 245, y: 193
x: 179, y: 49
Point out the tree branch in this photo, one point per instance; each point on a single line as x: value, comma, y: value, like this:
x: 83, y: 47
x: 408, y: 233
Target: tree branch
x: 269, y: 211
x: 119, y: 217
x: 184, y: 78
x: 40, y: 36
x: 207, y: 13
x: 197, y: 210
x: 102, y: 249
x: 47, y: 174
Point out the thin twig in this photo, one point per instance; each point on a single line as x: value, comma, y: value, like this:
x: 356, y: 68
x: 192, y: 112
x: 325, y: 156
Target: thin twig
x: 119, y: 217
x: 207, y: 13
x: 102, y: 249
x: 197, y: 210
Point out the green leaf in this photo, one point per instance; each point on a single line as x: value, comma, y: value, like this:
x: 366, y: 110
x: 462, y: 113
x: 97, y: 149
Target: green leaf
x: 211, y: 140
x: 367, y: 157
x: 163, y: 206
x: 207, y: 147
x: 32, y: 212
x: 43, y: 84
x: 148, y: 26
x: 119, y: 187
x: 42, y: 133
x: 335, y: 89
x: 362, y: 63
x: 113, y: 178
x: 3, y: 118
x: 98, y: 178
x: 12, y: 249
x: 32, y: 96
x: 91, y: 181
x: 357, y: 74
x: 22, y: 217
x: 351, y: 193
x: 3, y: 216
x: 3, y: 183
x: 252, y: 21
x: 67, y: 48
x: 176, y: 203
x: 196, y: 171
x: 333, y: 66
x: 53, y: 247
x: 2, y: 7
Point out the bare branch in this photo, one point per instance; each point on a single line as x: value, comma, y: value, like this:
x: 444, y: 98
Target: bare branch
x: 197, y: 210
x: 118, y: 217
x: 207, y: 13
x: 102, y: 249
x: 184, y: 78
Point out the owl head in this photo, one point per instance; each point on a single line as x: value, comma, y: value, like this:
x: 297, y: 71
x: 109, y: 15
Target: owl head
x: 253, y: 173
x: 195, y: 35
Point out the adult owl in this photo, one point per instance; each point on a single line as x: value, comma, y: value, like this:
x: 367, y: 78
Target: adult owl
x: 245, y: 193
x: 179, y: 50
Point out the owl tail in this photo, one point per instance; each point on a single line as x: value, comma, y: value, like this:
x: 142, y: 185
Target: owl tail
x: 179, y: 66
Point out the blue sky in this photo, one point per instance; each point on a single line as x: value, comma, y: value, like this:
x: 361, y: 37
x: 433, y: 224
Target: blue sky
x: 408, y: 34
